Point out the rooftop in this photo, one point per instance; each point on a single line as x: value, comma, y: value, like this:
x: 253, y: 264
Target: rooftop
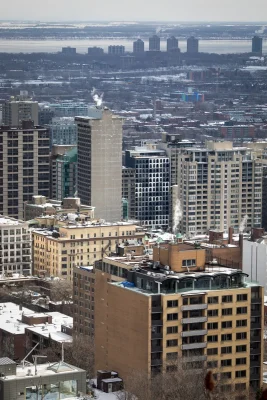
x: 10, y: 221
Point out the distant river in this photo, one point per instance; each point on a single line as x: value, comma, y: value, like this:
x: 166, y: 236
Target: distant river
x: 53, y: 46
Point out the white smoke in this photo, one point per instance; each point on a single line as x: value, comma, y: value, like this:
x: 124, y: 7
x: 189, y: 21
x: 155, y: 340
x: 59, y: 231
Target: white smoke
x: 98, y: 98
x: 177, y: 216
x: 158, y: 30
x: 243, y: 224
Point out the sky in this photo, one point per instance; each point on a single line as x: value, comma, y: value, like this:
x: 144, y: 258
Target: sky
x: 137, y: 10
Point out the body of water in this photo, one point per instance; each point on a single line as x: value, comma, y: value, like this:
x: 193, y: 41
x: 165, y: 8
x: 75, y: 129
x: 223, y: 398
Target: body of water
x: 52, y: 46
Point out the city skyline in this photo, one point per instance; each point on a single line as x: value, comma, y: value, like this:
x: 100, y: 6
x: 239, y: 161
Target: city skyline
x: 103, y: 11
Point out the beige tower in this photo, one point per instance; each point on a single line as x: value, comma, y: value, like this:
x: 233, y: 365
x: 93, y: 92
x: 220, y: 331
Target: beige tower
x: 100, y: 162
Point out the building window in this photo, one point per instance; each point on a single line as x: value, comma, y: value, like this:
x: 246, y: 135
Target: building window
x: 172, y: 356
x: 227, y: 311
x: 226, y: 375
x: 241, y: 361
x: 212, y: 313
x: 172, y: 329
x: 241, y: 310
x: 172, y: 343
x: 189, y: 263
x: 226, y: 350
x: 212, y: 364
x: 240, y: 386
x: 213, y: 300
x: 241, y: 297
x: 225, y: 337
x: 212, y: 338
x: 241, y: 336
x: 172, y: 303
x: 241, y: 374
x: 226, y: 324
x: 213, y: 325
x: 226, y: 363
x: 241, y: 349
x: 172, y: 317
x: 212, y: 352
x: 241, y: 322
x: 227, y: 299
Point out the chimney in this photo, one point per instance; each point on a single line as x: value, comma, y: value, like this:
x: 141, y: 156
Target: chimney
x: 230, y: 235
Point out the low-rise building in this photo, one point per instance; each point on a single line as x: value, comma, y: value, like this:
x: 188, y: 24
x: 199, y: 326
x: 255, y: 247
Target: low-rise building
x: 77, y: 241
x: 59, y: 380
x: 21, y: 329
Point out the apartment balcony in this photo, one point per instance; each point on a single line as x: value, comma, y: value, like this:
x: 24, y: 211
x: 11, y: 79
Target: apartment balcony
x: 255, y: 338
x: 156, y: 335
x: 255, y: 313
x: 256, y: 325
x: 156, y: 361
x: 200, y: 332
x: 256, y: 301
x: 192, y: 346
x: 255, y: 351
x: 157, y: 322
x: 156, y: 349
x: 194, y: 320
x: 156, y: 310
x: 194, y: 307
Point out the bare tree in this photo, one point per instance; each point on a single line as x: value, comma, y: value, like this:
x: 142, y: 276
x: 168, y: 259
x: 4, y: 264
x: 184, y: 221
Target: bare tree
x: 61, y: 290
x: 79, y: 353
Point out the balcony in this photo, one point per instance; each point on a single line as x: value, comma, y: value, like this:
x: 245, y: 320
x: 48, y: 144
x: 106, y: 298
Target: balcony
x: 157, y: 322
x: 156, y: 361
x: 255, y: 363
x: 255, y: 351
x: 197, y: 345
x: 194, y: 320
x: 256, y: 325
x: 156, y: 335
x: 200, y: 332
x: 156, y: 349
x: 194, y: 307
x: 255, y: 313
x: 255, y: 338
x: 256, y: 300
x: 156, y: 310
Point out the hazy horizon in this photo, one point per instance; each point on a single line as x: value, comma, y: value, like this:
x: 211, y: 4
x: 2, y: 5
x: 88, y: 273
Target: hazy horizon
x: 227, y: 11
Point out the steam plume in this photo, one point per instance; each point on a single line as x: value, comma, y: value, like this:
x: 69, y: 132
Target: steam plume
x: 98, y: 98
x: 243, y: 224
x: 177, y: 216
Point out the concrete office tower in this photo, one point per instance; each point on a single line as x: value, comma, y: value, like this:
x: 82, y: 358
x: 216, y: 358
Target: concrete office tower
x: 66, y: 174
x: 151, y: 185
x: 208, y: 319
x: 154, y: 43
x: 172, y: 43
x: 116, y: 50
x: 63, y: 131
x: 24, y: 166
x: 192, y: 45
x: 100, y: 162
x: 15, y: 111
x: 219, y: 186
x: 16, y: 247
x: 257, y: 45
x: 138, y: 46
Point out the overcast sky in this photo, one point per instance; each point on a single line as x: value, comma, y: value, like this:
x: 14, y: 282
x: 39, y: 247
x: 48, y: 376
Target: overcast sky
x: 118, y: 10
